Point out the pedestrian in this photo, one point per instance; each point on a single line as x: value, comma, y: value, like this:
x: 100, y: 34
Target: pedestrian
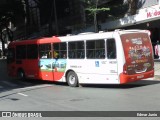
x: 157, y: 49
x: 0, y: 53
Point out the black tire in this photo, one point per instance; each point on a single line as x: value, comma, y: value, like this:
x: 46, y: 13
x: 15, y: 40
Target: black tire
x: 72, y: 79
x: 21, y: 75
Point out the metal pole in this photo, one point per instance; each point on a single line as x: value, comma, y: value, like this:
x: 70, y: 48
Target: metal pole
x: 25, y: 19
x: 95, y: 18
x: 55, y: 17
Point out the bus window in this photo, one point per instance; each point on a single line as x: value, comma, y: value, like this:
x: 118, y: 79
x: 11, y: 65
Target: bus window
x: 21, y: 52
x: 111, y: 49
x: 60, y: 50
x: 11, y: 55
x: 76, y: 50
x: 95, y: 49
x: 45, y: 51
x: 32, y: 51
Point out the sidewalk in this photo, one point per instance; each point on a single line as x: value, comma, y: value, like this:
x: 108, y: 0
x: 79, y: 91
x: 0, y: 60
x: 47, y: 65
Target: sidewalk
x: 157, y: 69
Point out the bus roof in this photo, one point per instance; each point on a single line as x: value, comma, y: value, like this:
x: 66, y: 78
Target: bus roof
x: 36, y: 41
x: 82, y: 36
x: 100, y: 35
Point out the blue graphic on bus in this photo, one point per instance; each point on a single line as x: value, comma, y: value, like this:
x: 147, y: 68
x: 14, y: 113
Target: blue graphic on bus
x: 97, y: 63
x: 52, y: 64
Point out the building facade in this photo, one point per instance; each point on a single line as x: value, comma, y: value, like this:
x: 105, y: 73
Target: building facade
x: 147, y: 17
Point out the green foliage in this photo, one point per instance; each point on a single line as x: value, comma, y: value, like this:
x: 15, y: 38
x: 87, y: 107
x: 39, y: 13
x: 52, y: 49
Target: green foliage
x: 92, y: 6
x: 96, y: 10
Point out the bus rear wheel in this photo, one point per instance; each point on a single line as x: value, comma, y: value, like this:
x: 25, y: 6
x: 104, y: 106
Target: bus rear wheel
x: 72, y: 79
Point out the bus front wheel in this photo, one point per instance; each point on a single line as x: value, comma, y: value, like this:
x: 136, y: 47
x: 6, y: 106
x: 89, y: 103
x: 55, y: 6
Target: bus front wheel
x: 72, y: 79
x: 21, y: 74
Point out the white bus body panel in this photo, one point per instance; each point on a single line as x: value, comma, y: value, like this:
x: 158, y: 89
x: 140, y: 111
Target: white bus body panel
x: 100, y: 71
x: 95, y: 71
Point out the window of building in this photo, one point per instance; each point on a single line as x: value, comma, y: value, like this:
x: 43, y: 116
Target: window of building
x: 21, y: 52
x: 95, y: 49
x: 147, y: 3
x: 32, y: 51
x: 45, y: 51
x: 76, y: 50
x: 111, y: 49
x: 60, y: 50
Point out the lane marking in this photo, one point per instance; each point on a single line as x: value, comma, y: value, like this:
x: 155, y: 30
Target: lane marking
x: 35, y: 87
x: 22, y: 94
x: 9, y: 83
x: 24, y: 83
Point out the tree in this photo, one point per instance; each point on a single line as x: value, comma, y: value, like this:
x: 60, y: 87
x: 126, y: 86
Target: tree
x: 5, y: 30
x: 93, y: 9
x: 132, y: 6
x: 51, y: 12
x: 8, y: 13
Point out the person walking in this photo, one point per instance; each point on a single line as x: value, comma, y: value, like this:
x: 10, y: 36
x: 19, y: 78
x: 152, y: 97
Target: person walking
x: 0, y: 53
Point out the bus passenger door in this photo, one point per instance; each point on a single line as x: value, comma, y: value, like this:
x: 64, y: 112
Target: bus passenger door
x: 59, y: 60
x: 46, y: 69
x: 46, y: 62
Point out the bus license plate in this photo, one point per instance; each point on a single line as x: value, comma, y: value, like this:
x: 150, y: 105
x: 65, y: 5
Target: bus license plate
x: 140, y: 76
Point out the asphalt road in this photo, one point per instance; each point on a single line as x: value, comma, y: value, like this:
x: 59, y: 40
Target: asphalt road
x: 28, y: 95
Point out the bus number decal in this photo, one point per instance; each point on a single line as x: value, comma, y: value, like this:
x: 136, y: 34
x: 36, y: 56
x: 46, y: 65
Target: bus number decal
x: 75, y: 66
x: 103, y: 62
x: 113, y: 62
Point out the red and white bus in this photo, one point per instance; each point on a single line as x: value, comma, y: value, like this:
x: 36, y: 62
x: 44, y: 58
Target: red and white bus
x: 116, y: 57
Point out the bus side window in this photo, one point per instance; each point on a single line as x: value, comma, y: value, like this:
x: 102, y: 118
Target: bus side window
x: 95, y: 49
x: 111, y: 49
x: 60, y: 50
x: 21, y: 52
x: 32, y: 51
x: 76, y: 50
x: 44, y: 51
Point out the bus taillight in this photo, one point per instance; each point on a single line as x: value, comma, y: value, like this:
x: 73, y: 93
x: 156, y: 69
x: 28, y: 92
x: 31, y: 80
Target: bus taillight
x: 149, y: 32
x: 125, y: 69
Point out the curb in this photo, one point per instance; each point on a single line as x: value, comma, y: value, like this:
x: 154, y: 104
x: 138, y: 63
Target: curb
x: 157, y: 77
